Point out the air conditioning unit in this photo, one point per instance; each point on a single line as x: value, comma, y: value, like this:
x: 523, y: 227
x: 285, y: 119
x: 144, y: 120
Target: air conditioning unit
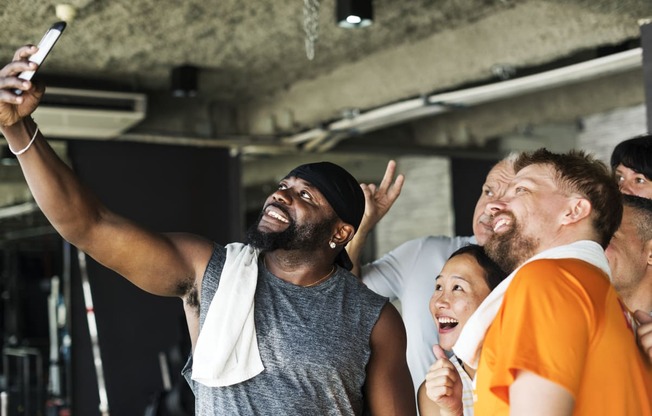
x: 88, y: 114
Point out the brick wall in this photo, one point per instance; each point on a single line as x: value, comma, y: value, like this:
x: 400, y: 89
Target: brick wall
x: 602, y: 132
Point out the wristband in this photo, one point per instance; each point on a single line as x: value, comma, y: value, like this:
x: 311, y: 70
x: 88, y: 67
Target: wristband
x: 20, y: 152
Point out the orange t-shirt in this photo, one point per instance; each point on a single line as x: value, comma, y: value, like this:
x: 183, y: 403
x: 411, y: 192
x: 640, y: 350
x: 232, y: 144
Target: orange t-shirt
x: 562, y: 320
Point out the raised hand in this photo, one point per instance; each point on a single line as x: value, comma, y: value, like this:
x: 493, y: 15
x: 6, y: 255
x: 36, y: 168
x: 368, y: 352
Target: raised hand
x: 378, y: 200
x: 444, y: 385
x: 13, y: 108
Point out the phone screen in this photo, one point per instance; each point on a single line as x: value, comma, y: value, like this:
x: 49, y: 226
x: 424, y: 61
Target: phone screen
x: 44, y: 46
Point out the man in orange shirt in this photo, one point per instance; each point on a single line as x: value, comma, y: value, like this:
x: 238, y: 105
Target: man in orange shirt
x: 560, y: 341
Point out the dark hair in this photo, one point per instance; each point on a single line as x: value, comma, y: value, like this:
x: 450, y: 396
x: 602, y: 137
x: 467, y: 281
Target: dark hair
x: 643, y: 215
x: 493, y: 274
x: 635, y: 153
x: 578, y: 172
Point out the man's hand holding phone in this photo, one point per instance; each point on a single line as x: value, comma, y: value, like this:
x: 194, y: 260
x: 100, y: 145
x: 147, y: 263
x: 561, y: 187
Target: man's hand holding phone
x: 15, y: 78
x: 44, y: 47
x: 14, y: 107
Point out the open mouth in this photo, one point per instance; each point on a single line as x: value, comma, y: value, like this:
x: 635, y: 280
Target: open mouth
x: 446, y: 322
x: 277, y: 214
x: 502, y: 222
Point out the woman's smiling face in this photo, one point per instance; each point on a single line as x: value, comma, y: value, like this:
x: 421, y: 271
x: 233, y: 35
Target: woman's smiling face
x: 460, y: 288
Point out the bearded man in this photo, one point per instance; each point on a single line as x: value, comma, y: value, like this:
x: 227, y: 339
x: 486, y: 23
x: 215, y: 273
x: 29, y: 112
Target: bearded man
x: 278, y: 326
x: 630, y: 254
x: 554, y: 337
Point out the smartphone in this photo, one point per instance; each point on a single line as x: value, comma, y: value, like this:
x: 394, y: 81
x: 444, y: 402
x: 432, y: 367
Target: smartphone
x: 44, y: 47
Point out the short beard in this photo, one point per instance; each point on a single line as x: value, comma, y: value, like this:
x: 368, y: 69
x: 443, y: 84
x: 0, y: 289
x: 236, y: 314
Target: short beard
x: 511, y: 249
x: 308, y: 237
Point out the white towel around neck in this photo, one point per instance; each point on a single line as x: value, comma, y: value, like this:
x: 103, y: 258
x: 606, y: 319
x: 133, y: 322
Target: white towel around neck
x: 227, y: 349
x: 469, y: 344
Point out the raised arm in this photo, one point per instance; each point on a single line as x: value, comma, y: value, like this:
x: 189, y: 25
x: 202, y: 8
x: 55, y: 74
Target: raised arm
x: 388, y: 387
x: 158, y: 263
x: 378, y: 201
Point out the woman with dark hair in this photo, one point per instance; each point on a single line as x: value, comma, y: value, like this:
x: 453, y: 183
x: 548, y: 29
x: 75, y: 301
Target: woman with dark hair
x: 631, y: 162
x: 464, y: 282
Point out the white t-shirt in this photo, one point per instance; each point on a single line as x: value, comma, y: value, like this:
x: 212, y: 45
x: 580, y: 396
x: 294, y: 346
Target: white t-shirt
x: 408, y: 274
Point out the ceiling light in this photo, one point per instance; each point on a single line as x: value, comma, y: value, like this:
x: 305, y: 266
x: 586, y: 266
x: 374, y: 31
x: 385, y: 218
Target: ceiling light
x: 65, y: 12
x: 354, y: 13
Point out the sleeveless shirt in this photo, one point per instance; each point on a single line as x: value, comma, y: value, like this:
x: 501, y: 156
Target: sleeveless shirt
x: 314, y: 343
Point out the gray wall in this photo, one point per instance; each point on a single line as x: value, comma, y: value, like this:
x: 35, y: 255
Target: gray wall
x: 165, y: 188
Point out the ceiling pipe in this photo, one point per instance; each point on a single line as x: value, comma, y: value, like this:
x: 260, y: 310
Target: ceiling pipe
x: 434, y: 104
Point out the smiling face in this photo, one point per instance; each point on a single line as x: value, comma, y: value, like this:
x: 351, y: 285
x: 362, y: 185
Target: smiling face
x: 295, y: 217
x: 461, y: 287
x: 528, y: 218
x: 494, y: 187
x: 631, y: 182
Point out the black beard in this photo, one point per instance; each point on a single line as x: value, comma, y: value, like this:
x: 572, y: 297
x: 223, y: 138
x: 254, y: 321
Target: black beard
x: 511, y: 249
x: 309, y: 237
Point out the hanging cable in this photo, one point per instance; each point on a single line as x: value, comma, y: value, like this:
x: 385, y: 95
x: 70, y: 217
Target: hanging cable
x: 311, y: 25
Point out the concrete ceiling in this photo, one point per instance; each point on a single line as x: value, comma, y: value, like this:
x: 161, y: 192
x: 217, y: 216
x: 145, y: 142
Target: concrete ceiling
x: 247, y: 50
x: 257, y: 86
x: 252, y: 55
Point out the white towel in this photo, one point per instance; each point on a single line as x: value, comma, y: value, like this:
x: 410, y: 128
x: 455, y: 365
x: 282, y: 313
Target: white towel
x: 227, y: 349
x: 469, y: 344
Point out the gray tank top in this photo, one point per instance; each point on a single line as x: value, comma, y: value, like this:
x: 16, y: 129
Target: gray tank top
x: 314, y: 343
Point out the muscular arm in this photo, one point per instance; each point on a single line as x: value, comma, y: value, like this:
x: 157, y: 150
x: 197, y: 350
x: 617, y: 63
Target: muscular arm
x: 389, y: 385
x: 533, y: 395
x: 163, y: 264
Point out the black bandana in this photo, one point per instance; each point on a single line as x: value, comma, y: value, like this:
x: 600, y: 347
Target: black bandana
x: 341, y: 190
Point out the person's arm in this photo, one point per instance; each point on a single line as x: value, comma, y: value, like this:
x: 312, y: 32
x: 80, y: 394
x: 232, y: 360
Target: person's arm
x: 166, y: 265
x: 388, y: 386
x: 533, y: 395
x: 644, y: 333
x: 378, y: 200
x: 426, y: 406
x: 442, y: 388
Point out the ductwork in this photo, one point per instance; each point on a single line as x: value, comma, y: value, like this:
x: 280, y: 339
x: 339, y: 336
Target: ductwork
x: 326, y: 137
x: 89, y: 114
